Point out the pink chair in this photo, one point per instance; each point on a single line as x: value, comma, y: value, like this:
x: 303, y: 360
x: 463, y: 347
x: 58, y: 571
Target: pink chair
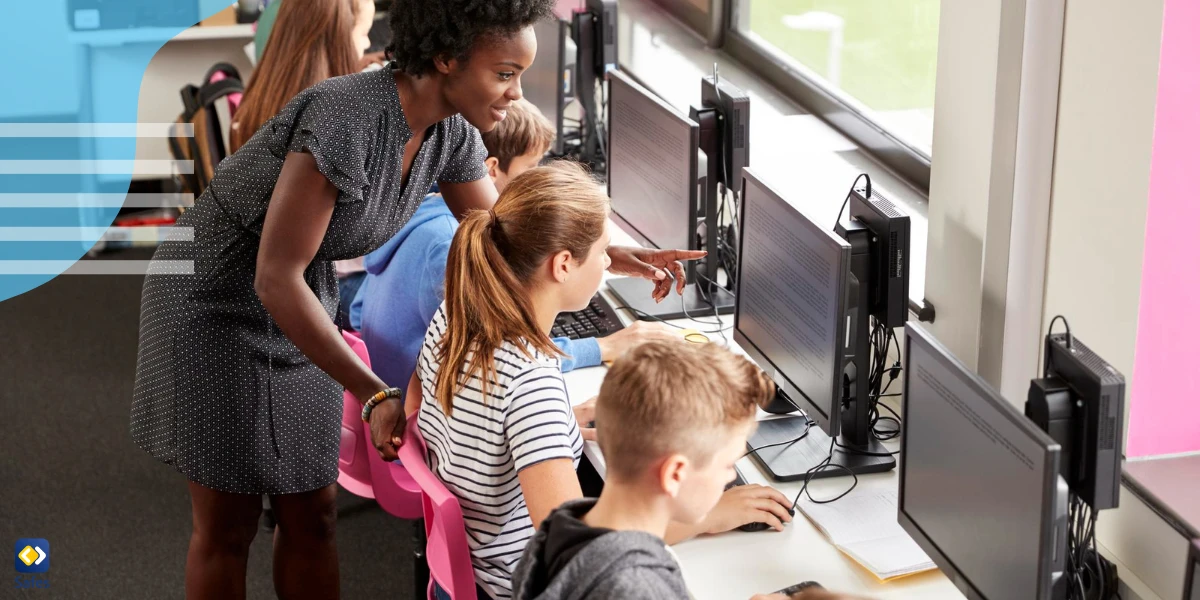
x: 388, y: 482
x: 354, y: 466
x: 447, y: 551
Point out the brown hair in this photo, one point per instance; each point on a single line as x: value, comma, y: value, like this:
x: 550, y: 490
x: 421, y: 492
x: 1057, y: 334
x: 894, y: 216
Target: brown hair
x: 523, y: 131
x: 492, y: 261
x: 311, y: 41
x: 666, y: 397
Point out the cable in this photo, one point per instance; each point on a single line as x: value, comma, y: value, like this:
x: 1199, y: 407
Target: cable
x: 851, y: 193
x: 807, y: 427
x: 641, y: 314
x: 825, y: 464
x: 857, y: 452
x: 1070, y: 338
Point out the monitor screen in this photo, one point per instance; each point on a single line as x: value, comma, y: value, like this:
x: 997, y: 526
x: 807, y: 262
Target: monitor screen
x: 791, y: 299
x: 979, y: 485
x: 652, y: 158
x: 543, y: 81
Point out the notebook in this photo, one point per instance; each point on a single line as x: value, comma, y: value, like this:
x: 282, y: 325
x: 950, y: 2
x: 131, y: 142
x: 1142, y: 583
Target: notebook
x: 864, y: 527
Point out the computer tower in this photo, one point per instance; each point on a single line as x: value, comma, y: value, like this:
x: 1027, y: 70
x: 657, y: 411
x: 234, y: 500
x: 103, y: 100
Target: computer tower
x: 606, y: 33
x: 734, y: 106
x: 1099, y: 391
x: 889, y: 255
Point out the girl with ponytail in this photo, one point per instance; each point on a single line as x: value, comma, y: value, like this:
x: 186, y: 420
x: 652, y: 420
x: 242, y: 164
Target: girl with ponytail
x: 496, y: 415
x: 501, y: 431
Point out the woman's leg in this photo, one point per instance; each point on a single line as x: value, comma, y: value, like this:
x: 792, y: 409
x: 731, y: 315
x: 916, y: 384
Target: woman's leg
x: 223, y: 526
x: 306, y: 563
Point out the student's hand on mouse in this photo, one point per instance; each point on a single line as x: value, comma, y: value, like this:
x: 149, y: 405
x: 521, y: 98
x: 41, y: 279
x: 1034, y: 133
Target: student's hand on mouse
x: 640, y: 332
x: 749, y: 503
x: 656, y: 265
x: 586, y: 413
x: 387, y: 427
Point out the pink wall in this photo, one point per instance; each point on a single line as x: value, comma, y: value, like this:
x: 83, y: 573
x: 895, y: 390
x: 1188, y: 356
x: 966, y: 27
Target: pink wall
x: 1165, y: 399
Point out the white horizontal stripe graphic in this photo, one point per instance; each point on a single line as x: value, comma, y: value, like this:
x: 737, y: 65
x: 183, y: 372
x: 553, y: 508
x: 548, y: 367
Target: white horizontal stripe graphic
x: 71, y: 200
x: 96, y: 130
x: 164, y: 168
x: 91, y: 234
x: 96, y: 267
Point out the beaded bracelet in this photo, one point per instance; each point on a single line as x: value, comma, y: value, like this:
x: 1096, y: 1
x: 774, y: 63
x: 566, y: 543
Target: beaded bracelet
x: 391, y: 392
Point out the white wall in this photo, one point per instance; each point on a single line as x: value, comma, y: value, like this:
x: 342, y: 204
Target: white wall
x: 1102, y: 172
x: 1098, y: 220
x: 960, y: 180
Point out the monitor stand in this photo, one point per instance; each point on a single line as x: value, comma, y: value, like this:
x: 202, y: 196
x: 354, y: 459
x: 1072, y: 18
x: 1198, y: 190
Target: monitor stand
x: 637, y: 293
x: 790, y: 462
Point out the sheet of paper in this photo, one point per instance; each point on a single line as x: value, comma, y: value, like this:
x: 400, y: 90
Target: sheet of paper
x: 864, y: 526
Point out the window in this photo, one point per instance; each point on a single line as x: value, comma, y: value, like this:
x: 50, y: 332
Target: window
x: 866, y: 66
x: 699, y: 15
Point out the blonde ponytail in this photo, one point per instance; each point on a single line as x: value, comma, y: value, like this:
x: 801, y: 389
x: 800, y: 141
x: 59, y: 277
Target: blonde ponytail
x: 491, y: 263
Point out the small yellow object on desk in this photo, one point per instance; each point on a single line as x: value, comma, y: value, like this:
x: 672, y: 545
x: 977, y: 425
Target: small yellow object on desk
x: 689, y: 335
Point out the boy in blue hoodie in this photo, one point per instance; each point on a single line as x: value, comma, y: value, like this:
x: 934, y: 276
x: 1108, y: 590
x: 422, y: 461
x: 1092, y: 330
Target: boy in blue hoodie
x: 405, y: 276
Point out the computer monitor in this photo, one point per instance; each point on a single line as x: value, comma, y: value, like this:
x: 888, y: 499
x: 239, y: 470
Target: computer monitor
x: 652, y: 180
x: 980, y: 489
x: 1191, y: 582
x: 594, y: 31
x: 549, y: 81
x: 795, y: 315
x: 653, y: 166
x: 791, y: 298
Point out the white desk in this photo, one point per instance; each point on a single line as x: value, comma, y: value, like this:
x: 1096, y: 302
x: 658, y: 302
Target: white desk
x: 737, y: 565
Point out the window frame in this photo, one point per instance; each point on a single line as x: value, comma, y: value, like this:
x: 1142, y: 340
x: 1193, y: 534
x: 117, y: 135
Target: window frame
x: 720, y: 29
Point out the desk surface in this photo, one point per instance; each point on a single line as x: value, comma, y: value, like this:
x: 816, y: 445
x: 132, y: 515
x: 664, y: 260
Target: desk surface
x: 737, y: 565
x: 1171, y: 486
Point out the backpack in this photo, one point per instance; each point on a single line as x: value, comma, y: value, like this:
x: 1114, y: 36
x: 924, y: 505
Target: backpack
x: 206, y: 148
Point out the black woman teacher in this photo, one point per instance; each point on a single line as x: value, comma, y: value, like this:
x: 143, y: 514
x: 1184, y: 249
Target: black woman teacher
x: 240, y: 367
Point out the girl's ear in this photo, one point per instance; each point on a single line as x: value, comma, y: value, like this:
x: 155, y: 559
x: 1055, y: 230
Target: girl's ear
x: 561, y: 266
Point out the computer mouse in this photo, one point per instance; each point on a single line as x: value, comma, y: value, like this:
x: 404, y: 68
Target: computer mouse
x: 763, y: 526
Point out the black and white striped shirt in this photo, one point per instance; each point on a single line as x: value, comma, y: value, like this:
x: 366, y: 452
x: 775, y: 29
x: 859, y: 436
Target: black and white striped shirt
x: 478, y: 450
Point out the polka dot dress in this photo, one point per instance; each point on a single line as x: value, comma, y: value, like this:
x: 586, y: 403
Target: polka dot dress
x: 220, y: 392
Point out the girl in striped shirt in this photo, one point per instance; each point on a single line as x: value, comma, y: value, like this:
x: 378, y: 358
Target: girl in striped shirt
x: 500, y: 428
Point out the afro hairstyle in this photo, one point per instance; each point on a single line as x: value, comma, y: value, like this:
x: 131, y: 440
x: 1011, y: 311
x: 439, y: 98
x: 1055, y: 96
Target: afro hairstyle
x: 424, y: 30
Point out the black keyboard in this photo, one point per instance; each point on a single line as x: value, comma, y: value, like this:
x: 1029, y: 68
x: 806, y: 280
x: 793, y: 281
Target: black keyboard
x: 597, y: 320
x: 800, y: 587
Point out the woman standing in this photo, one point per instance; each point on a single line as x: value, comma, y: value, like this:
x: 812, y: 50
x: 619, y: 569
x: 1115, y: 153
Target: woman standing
x: 309, y: 42
x: 240, y: 368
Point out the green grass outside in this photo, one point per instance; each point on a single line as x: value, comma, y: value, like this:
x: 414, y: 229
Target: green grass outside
x: 889, y: 55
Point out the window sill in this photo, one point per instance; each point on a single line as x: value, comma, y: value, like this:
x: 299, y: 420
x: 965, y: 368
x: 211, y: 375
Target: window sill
x: 800, y: 155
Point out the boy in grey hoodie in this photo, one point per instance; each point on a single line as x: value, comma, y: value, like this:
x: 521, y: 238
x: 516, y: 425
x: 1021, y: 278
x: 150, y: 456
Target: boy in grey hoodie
x: 671, y: 420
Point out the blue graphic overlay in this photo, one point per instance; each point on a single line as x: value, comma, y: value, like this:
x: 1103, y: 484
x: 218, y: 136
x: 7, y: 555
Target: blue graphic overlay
x: 71, y: 74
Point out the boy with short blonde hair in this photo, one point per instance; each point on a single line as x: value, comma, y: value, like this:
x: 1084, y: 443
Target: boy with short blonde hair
x: 671, y: 420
